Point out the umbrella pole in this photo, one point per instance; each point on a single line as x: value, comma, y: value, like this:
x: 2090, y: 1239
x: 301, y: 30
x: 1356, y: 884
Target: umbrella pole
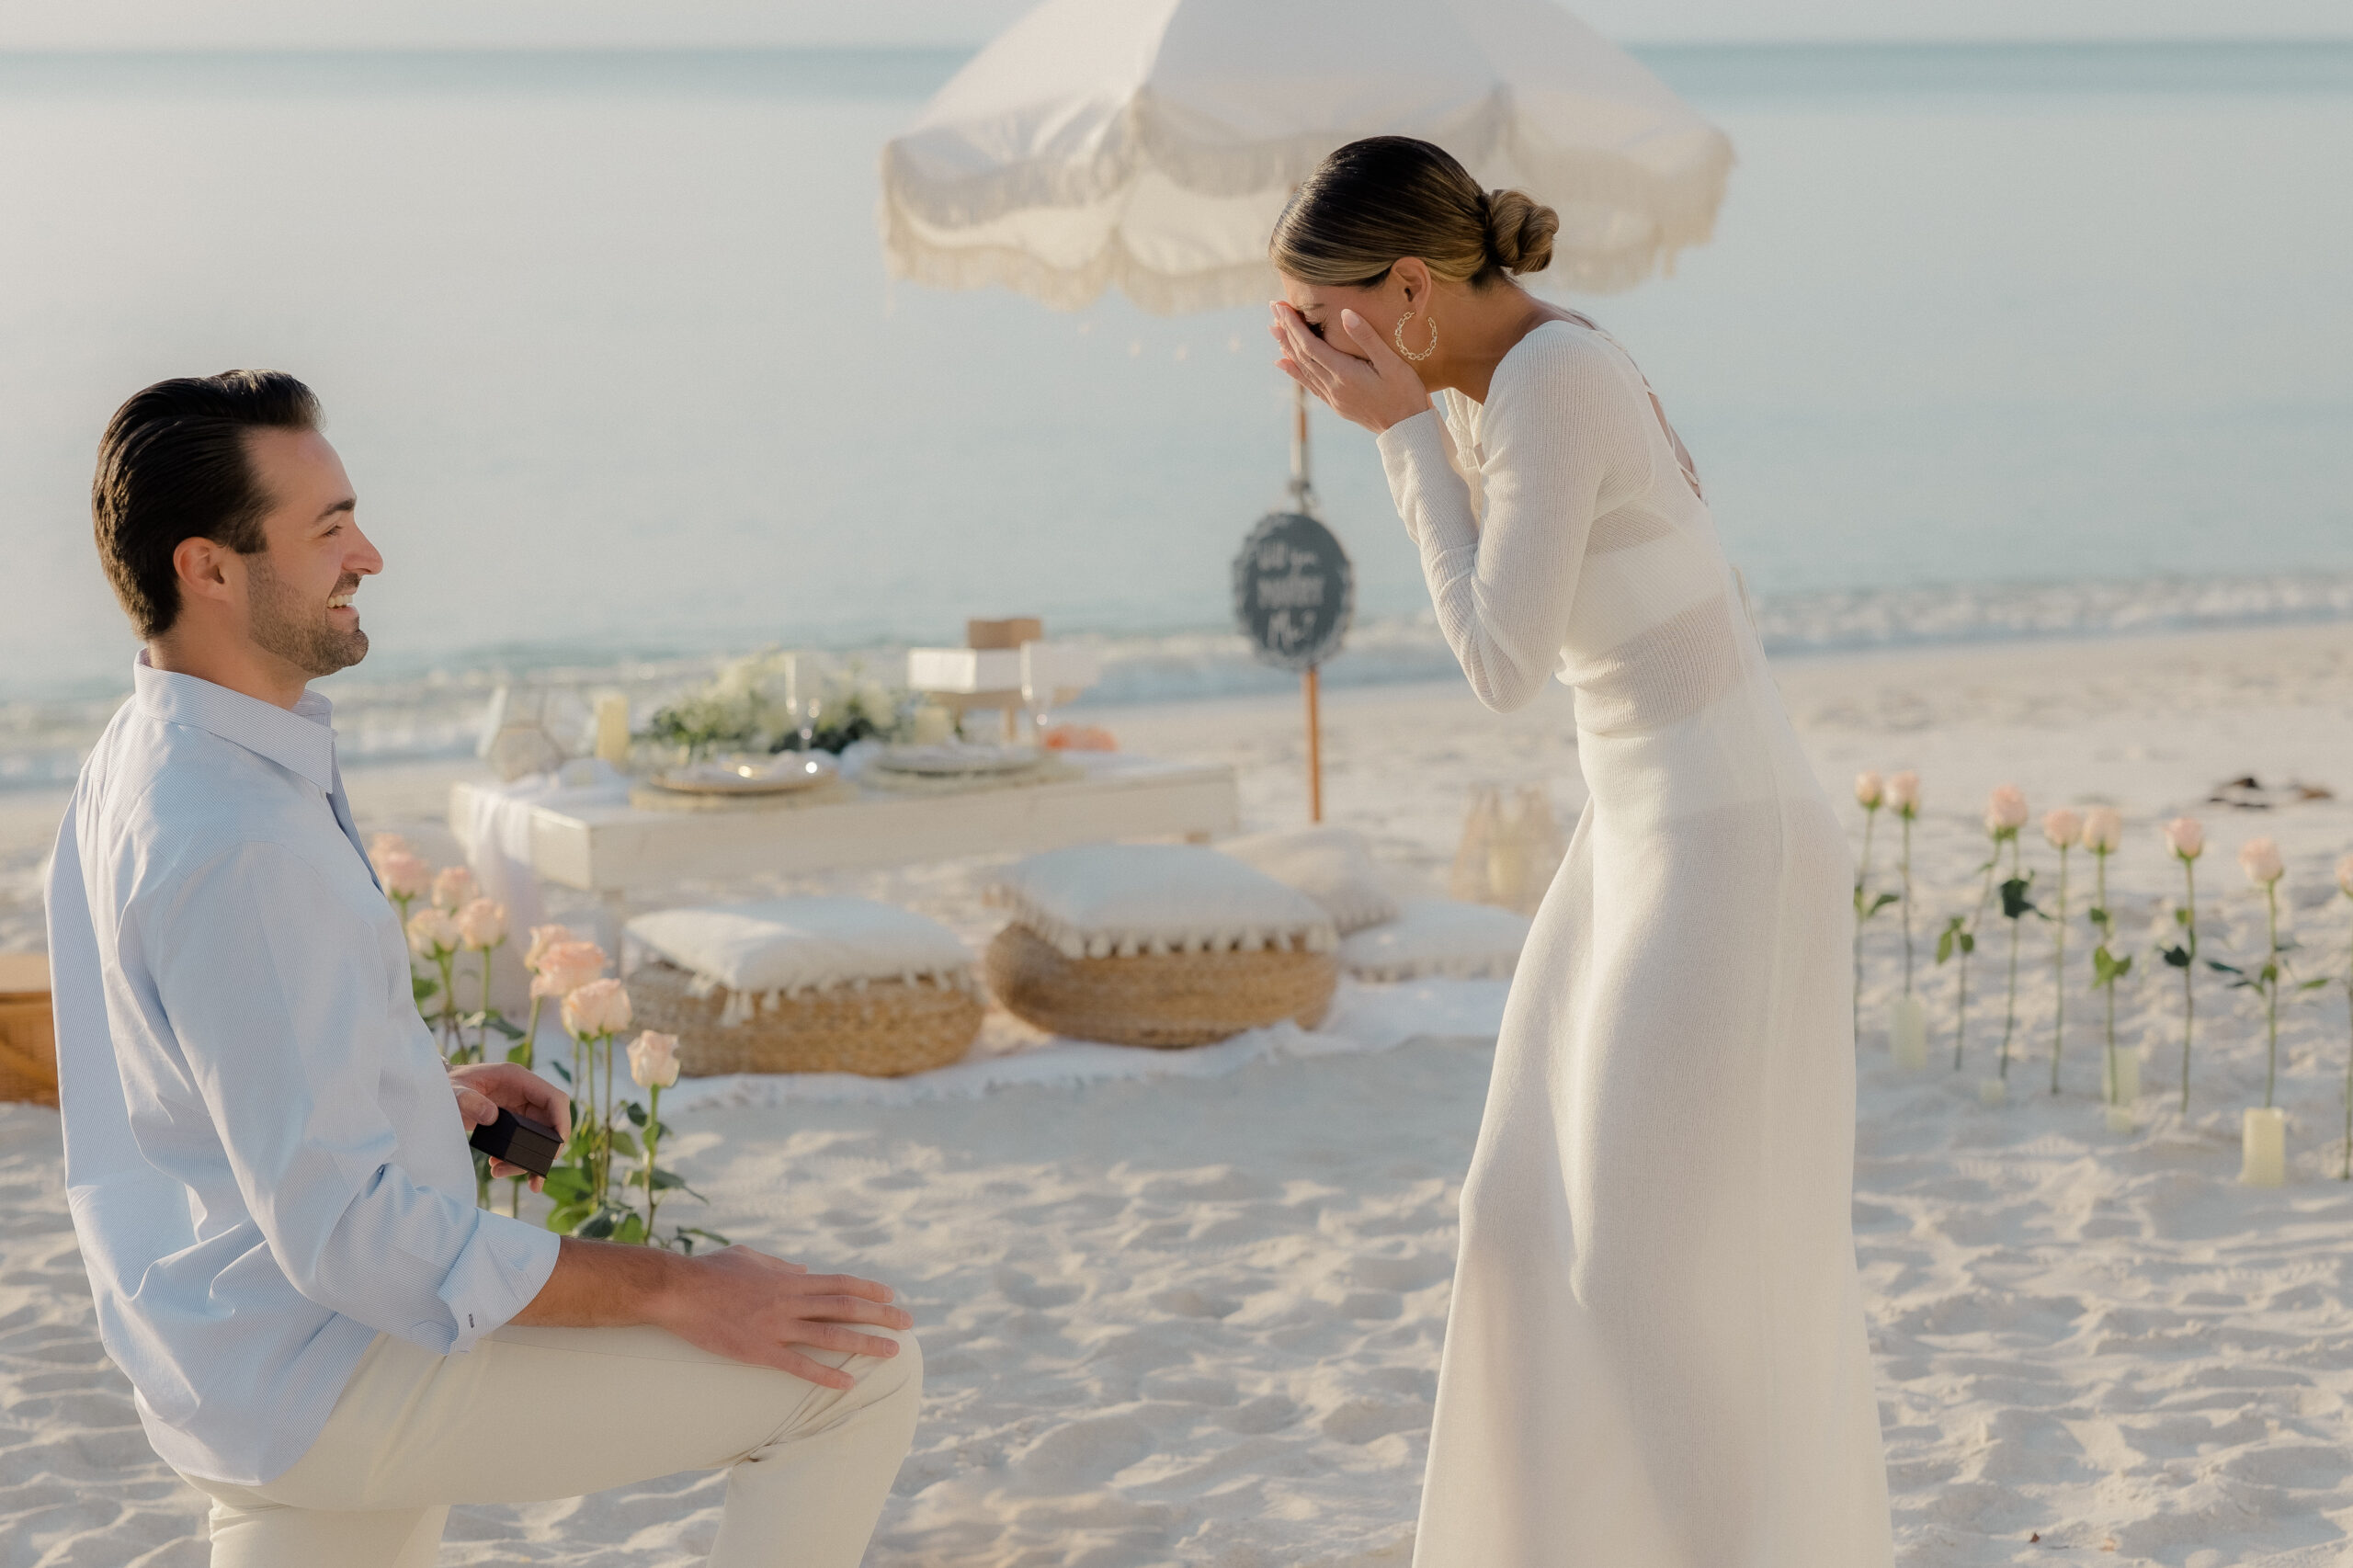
x: 1315, y: 748
x: 1302, y: 498
x: 1303, y: 491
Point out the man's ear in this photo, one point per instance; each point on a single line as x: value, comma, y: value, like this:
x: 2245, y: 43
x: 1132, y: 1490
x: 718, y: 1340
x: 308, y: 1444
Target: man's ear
x: 202, y: 567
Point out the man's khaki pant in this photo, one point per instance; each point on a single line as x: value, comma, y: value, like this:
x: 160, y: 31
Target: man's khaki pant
x: 533, y: 1414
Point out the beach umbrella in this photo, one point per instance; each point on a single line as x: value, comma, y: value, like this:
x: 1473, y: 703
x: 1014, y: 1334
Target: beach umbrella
x: 1148, y: 145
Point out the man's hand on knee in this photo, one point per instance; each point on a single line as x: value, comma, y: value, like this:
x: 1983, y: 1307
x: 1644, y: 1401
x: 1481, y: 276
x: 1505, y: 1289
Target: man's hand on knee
x: 755, y: 1308
x: 735, y: 1303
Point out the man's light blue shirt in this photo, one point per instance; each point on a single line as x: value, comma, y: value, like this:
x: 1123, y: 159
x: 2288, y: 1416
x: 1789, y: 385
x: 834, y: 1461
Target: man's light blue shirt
x: 263, y: 1152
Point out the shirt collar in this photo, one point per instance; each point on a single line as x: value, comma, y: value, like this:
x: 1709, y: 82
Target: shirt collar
x: 301, y: 742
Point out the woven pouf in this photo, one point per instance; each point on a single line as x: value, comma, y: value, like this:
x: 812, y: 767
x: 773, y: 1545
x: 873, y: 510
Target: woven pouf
x: 806, y: 985
x: 885, y: 1028
x: 1164, y: 1000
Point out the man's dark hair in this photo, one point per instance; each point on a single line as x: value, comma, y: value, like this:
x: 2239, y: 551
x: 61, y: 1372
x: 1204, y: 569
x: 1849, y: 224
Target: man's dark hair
x: 173, y: 466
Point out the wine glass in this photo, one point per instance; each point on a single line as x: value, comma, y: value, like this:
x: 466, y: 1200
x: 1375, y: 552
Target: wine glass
x: 804, y: 696
x: 1037, y: 687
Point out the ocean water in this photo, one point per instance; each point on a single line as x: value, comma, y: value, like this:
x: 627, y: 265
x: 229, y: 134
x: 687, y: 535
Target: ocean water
x: 1991, y: 341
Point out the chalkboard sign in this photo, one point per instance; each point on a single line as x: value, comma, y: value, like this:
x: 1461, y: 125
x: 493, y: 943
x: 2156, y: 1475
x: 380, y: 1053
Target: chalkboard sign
x: 1293, y: 590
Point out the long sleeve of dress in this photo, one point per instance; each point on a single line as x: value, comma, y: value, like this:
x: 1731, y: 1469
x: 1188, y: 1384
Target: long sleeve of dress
x: 1564, y: 437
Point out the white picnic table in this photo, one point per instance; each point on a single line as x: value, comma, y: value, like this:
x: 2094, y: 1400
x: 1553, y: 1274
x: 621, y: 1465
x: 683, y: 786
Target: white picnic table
x: 609, y: 849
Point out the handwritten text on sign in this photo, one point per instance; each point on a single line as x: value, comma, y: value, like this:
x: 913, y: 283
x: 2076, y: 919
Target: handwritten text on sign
x: 1293, y: 590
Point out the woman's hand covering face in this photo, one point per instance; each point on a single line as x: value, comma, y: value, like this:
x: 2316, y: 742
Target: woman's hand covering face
x: 1355, y: 372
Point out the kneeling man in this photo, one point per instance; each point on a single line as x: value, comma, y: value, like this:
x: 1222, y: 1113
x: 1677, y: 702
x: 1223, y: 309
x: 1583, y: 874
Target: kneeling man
x: 266, y: 1160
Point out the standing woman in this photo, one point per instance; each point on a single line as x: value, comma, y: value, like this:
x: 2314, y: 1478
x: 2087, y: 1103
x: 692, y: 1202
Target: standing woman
x: 1656, y: 1356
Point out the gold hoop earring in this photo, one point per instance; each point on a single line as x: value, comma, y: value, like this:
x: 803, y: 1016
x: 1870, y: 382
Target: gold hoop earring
x: 1400, y: 335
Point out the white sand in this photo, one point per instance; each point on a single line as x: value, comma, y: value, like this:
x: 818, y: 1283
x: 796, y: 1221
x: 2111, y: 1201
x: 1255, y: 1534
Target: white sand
x: 1197, y: 1320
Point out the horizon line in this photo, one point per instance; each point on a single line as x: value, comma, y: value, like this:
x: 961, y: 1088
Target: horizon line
x: 2090, y: 40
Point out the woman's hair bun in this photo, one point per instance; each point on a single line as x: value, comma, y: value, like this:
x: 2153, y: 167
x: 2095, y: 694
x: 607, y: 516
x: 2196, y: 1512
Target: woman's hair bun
x: 1520, y: 230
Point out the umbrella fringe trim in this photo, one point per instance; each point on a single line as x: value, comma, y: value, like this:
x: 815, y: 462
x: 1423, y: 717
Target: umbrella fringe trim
x: 1146, y: 140
x: 1680, y: 212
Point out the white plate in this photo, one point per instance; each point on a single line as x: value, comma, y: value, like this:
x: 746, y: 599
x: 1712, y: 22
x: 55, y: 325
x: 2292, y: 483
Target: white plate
x: 747, y: 776
x: 950, y: 760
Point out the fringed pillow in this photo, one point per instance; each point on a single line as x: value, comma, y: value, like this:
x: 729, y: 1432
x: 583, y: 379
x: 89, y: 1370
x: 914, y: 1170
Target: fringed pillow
x: 1331, y: 865
x: 1437, y: 936
x: 792, y: 947
x: 807, y: 986
x: 1127, y: 900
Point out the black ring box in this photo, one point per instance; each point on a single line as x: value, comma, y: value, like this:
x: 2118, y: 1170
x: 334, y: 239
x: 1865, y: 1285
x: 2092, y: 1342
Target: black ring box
x: 518, y: 1141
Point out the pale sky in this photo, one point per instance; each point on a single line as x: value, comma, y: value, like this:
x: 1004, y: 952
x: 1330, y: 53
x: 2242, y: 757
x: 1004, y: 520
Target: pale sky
x: 334, y: 24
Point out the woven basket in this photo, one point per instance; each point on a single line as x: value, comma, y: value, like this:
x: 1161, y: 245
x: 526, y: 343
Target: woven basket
x: 27, y: 1037
x: 887, y: 1030
x: 1166, y: 1001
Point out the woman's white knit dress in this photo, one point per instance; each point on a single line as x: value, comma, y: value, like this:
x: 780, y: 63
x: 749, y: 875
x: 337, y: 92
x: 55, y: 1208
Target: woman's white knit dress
x: 1656, y: 1356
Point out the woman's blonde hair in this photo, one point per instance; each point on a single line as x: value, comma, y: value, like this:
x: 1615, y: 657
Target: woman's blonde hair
x: 1385, y: 198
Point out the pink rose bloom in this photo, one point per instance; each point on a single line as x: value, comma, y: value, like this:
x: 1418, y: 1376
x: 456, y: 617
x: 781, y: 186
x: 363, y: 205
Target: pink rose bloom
x: 2186, y: 836
x: 2344, y: 875
x: 453, y: 888
x: 2103, y: 829
x: 483, y: 924
x: 404, y: 875
x: 1903, y: 791
x: 382, y: 843
x: 653, y: 1059
x: 2005, y: 810
x: 542, y: 939
x: 2062, y: 827
x: 1869, y: 789
x: 566, y: 967
x: 2260, y: 858
x: 599, y: 1007
x: 432, y: 934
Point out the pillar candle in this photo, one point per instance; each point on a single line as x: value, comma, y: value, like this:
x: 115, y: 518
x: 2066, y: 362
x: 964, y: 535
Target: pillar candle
x: 935, y: 725
x: 1907, y: 1033
x: 1992, y: 1091
x: 2126, y: 1086
x: 2263, y: 1147
x: 612, y: 729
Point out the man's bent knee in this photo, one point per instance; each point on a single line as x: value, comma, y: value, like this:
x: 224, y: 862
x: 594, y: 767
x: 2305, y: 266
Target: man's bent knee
x: 888, y: 1377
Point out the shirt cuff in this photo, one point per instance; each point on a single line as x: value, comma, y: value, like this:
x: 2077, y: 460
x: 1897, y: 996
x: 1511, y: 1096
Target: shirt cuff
x: 497, y: 1275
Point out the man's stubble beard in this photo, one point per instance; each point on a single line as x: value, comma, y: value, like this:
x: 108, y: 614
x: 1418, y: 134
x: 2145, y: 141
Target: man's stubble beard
x: 295, y: 630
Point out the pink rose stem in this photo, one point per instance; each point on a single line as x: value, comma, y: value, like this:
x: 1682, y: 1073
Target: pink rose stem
x: 2010, y: 1008
x: 2188, y: 971
x: 604, y: 1174
x: 447, y: 962
x: 1960, y: 993
x: 1862, y: 886
x: 652, y: 1140
x: 482, y: 1039
x: 2059, y: 972
x: 530, y: 1057
x: 1904, y: 869
x: 2271, y: 991
x: 2108, y: 926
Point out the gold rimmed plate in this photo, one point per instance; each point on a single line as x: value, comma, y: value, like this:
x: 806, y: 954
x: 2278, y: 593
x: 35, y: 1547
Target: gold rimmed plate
x: 747, y: 776
x: 956, y: 759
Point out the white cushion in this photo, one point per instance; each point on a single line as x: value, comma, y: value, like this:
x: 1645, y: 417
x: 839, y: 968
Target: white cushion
x: 1331, y: 865
x: 1436, y: 936
x: 803, y: 944
x: 1118, y: 900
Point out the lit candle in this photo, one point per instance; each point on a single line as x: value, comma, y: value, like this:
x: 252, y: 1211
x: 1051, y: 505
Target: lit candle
x: 934, y: 725
x: 612, y: 729
x: 1992, y: 1091
x: 1907, y: 1033
x: 2263, y: 1147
